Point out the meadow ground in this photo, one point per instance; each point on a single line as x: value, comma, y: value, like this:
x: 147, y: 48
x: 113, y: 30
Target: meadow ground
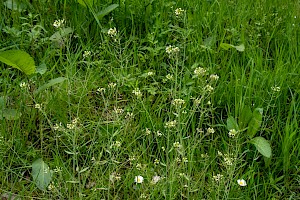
x: 151, y: 99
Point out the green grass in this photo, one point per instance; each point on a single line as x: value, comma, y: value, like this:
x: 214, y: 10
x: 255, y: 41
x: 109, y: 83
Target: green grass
x: 120, y: 135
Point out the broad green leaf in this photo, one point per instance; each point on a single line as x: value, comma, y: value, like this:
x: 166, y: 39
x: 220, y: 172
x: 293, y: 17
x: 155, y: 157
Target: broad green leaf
x: 255, y: 122
x: 10, y: 114
x: 18, y: 59
x: 106, y: 11
x: 240, y: 47
x: 262, y: 145
x: 59, y: 35
x: 41, y: 174
x: 41, y: 69
x: 226, y: 46
x: 50, y: 83
x: 15, y: 5
x: 245, y: 117
x: 86, y: 2
x: 232, y: 124
x: 208, y: 42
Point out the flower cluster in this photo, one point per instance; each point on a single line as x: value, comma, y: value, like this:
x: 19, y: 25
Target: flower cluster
x: 58, y: 127
x: 169, y: 76
x: 214, y: 77
x: 179, y: 12
x: 87, y: 54
x: 210, y: 130
x: 176, y: 145
x: 209, y: 88
x: 73, y: 124
x: 171, y: 50
x: 148, y: 131
x: 199, y: 71
x: 275, y: 88
x: 178, y: 102
x: 58, y: 23
x: 137, y: 93
x: 112, y: 85
x: 171, y: 124
x: 112, y: 32
x: 117, y: 144
x: 23, y: 85
x: 155, y: 179
x: 150, y: 73
x: 218, y: 177
x: 115, y: 177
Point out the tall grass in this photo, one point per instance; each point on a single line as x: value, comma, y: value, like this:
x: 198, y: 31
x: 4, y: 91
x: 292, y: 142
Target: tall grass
x: 119, y: 116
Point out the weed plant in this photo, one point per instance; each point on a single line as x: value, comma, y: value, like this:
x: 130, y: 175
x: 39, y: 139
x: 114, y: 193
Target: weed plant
x: 148, y: 89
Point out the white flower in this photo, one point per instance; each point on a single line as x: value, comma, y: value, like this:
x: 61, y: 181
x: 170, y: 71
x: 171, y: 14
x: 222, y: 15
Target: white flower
x: 242, y: 182
x: 138, y: 179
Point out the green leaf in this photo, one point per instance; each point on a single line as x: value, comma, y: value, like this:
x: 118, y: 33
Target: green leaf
x: 226, y: 46
x: 262, y: 145
x: 9, y: 114
x: 245, y: 117
x: 241, y: 47
x: 86, y: 2
x: 59, y: 35
x: 232, y: 124
x: 41, y: 69
x: 15, y: 5
x: 208, y: 42
x: 106, y: 11
x: 18, y: 59
x: 41, y: 174
x: 50, y: 83
x: 255, y: 122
